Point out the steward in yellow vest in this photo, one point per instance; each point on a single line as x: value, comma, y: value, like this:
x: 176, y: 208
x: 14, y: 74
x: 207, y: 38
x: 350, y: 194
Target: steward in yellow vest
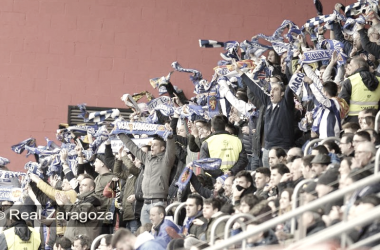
x: 361, y: 90
x: 20, y: 237
x: 227, y: 147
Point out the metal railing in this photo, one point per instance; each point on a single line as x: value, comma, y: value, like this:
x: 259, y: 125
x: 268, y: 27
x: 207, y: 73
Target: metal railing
x: 295, y: 200
x: 299, y: 211
x: 377, y: 158
x: 176, y: 213
x: 311, y: 143
x: 377, y: 122
x: 364, y: 242
x: 214, y: 226
x: 243, y: 226
x: 174, y: 204
x: 96, y: 240
x: 337, y: 229
x: 330, y: 139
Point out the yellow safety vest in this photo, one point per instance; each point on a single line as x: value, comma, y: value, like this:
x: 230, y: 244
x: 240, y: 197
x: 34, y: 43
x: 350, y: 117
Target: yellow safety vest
x: 226, y: 147
x: 15, y: 243
x: 361, y: 97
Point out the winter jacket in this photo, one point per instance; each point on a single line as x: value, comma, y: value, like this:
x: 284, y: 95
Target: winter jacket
x: 366, y: 232
x: 370, y: 81
x: 109, y: 157
x: 271, y: 239
x: 219, y: 232
x: 316, y: 227
x: 129, y: 174
x: 347, y: 46
x: 288, y: 184
x: 155, y: 183
x: 20, y: 236
x: 279, y: 118
x: 101, y: 182
x: 207, y: 193
x: 246, y: 139
x: 195, y: 229
x: 86, y: 203
x: 369, y: 46
x: 161, y: 231
x: 240, y: 156
x: 139, y: 196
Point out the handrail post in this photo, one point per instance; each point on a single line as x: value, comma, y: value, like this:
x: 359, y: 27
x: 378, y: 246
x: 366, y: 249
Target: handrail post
x: 295, y: 199
x: 236, y: 218
x: 216, y: 223
x: 312, y: 142
x: 96, y: 240
x: 330, y: 139
x: 377, y: 122
x: 377, y: 158
x: 168, y: 208
x: 176, y: 213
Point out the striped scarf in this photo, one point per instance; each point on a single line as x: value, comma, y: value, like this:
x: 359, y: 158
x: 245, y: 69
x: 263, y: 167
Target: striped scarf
x: 4, y: 161
x: 20, y: 147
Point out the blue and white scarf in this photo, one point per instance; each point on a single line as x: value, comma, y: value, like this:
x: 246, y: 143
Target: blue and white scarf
x: 139, y: 128
x: 20, y: 147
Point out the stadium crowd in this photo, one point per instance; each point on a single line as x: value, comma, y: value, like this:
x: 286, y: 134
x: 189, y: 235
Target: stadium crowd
x: 236, y: 147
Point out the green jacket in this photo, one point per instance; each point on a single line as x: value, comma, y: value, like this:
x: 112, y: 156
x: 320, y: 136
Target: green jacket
x: 129, y: 174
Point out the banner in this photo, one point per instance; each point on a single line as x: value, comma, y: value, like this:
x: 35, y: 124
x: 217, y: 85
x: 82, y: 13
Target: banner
x: 10, y: 194
x: 139, y: 128
x: 158, y: 101
x: 116, y: 144
x: 229, y: 70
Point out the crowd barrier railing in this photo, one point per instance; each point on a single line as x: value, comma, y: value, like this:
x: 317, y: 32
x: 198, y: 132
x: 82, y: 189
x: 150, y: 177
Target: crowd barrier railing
x: 337, y: 229
x: 377, y: 122
x: 243, y: 226
x: 215, y: 225
x: 176, y: 213
x: 311, y: 143
x: 297, y: 212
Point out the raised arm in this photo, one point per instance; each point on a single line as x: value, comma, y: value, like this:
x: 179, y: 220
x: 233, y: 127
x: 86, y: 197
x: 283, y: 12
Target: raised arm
x: 129, y: 144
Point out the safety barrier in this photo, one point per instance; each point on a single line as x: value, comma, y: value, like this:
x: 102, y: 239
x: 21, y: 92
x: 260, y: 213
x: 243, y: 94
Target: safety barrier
x: 299, y: 211
x: 243, y: 226
x: 215, y: 225
x: 311, y: 143
x: 176, y: 213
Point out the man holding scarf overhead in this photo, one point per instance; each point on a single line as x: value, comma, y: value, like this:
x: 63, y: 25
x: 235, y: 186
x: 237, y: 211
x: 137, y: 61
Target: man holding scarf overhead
x: 158, y: 164
x: 279, y: 115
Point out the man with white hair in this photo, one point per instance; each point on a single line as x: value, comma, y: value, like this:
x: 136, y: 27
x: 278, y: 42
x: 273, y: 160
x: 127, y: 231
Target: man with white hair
x: 364, y: 156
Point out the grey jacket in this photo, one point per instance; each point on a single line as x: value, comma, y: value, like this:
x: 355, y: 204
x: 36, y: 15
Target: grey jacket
x: 155, y: 184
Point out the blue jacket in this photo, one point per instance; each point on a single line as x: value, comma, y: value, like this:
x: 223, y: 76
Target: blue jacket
x: 278, y: 122
x: 161, y: 233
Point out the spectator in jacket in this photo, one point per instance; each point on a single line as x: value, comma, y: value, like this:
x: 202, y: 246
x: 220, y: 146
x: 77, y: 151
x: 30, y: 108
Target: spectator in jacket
x: 293, y: 152
x: 81, y: 242
x: 360, y: 90
x: 290, y: 180
x: 104, y: 177
x: 244, y: 186
x: 200, y: 131
x: 366, y: 113
x: 313, y: 222
x: 359, y: 137
x: 158, y: 164
x: 279, y: 106
x: 123, y: 239
x: 319, y: 165
x: 262, y: 179
x: 306, y: 167
x: 277, y: 156
x: 364, y: 155
x: 328, y: 183
x: 265, y: 238
x: 277, y: 172
x: 129, y: 174
x: 162, y: 228
x: 87, y: 202
x: 346, y: 145
x: 224, y: 146
x: 366, y: 204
